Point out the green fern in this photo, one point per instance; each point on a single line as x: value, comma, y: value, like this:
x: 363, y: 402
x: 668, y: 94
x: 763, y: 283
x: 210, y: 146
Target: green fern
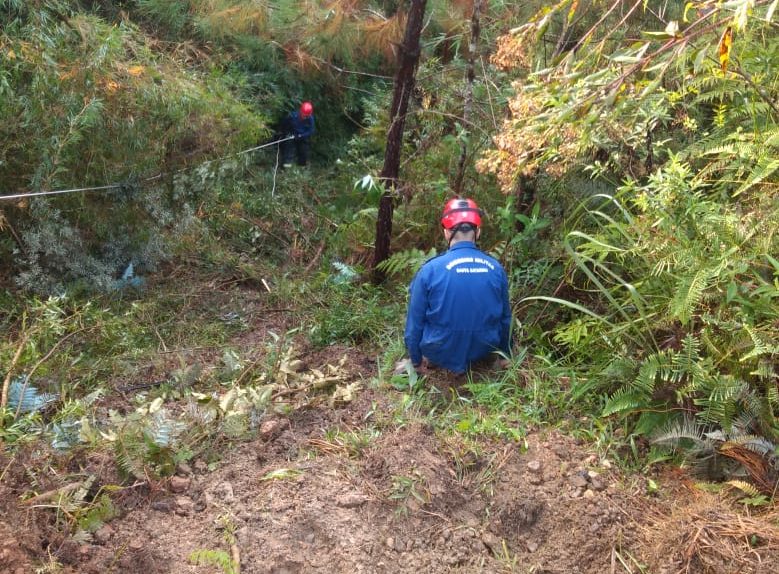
x: 683, y: 429
x: 625, y: 400
x: 689, y: 293
x: 405, y: 261
x: 761, y: 346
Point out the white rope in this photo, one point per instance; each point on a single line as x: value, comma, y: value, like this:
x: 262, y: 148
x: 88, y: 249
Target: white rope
x: 117, y: 186
x: 59, y: 191
x: 286, y: 139
x: 275, y: 169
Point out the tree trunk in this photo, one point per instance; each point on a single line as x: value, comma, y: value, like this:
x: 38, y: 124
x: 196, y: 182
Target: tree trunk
x: 404, y: 84
x: 470, y: 76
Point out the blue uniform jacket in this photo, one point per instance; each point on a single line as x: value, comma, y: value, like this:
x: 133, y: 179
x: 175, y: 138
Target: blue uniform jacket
x: 299, y: 127
x: 459, y: 310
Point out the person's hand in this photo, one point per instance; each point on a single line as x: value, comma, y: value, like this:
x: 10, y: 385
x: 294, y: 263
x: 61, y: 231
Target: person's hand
x: 501, y: 363
x: 422, y: 368
x: 402, y: 367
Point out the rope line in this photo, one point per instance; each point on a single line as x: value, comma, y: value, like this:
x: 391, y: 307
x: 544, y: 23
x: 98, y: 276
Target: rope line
x: 158, y: 176
x: 59, y: 191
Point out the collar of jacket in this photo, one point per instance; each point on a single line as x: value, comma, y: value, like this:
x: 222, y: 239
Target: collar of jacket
x: 463, y: 245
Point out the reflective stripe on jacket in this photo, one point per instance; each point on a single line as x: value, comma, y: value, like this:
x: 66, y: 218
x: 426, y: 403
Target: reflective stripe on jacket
x: 459, y: 309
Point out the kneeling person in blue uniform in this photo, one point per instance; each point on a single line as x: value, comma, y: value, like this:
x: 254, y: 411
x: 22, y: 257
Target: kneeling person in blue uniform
x: 459, y: 310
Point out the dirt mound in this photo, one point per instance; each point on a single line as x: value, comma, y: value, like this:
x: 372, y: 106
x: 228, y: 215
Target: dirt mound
x: 328, y: 491
x: 347, y: 489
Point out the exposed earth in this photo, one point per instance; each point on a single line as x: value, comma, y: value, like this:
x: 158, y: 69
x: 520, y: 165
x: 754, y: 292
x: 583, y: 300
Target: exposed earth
x: 293, y: 501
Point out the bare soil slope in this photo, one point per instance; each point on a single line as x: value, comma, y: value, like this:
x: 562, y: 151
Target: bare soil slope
x: 296, y: 501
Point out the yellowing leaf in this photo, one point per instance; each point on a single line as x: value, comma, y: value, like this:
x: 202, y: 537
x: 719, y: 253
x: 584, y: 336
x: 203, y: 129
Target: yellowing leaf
x: 687, y: 7
x: 135, y: 70
x: 11, y: 55
x: 282, y: 474
x: 572, y: 10
x: 155, y: 405
x: 725, y: 45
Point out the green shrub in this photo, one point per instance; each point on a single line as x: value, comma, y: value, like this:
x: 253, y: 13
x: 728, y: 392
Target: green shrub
x: 355, y: 314
x: 85, y: 103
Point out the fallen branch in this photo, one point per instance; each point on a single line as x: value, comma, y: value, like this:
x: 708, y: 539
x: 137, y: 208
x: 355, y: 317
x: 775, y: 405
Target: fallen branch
x: 55, y: 493
x: 317, y: 255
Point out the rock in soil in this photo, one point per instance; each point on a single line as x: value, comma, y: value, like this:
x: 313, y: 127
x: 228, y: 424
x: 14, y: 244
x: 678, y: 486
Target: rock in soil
x: 104, y: 534
x: 179, y: 484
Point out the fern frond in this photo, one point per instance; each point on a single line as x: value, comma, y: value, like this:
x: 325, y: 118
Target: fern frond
x: 686, y: 361
x: 726, y: 398
x: 26, y: 398
x: 164, y: 430
x: 625, y: 400
x: 761, y: 346
x: 764, y: 169
x: 657, y: 365
x: 755, y: 443
x: 130, y: 460
x: 689, y: 292
x: 772, y: 395
x: 745, y: 487
x: 682, y: 429
x: 403, y: 261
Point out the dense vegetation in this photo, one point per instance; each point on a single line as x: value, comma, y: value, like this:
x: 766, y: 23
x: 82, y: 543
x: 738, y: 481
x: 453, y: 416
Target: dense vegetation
x: 626, y: 152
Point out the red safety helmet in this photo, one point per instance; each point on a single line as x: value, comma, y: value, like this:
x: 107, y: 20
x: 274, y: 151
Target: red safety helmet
x: 306, y: 109
x: 459, y: 211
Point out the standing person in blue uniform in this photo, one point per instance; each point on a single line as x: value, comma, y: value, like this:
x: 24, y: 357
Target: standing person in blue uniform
x: 300, y: 125
x: 459, y: 310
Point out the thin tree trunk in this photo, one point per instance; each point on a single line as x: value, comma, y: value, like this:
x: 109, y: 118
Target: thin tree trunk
x: 470, y: 76
x: 404, y: 84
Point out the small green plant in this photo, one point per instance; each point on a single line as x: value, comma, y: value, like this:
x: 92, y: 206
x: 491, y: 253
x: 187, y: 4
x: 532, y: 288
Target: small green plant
x: 406, y: 488
x: 409, y: 380
x: 229, y: 563
x: 509, y: 560
x: 147, y: 441
x: 218, y: 558
x: 80, y: 507
x: 50, y: 566
x: 751, y: 495
x: 353, y: 442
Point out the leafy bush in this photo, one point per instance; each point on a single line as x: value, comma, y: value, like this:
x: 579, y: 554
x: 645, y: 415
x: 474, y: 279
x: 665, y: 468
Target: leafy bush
x: 85, y: 103
x: 670, y: 282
